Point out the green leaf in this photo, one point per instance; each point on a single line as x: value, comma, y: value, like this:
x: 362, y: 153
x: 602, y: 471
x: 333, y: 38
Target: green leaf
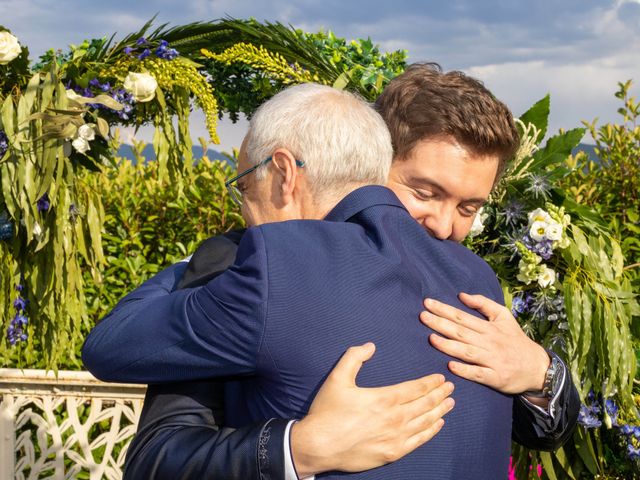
x: 547, y: 465
x: 557, y: 149
x: 103, y: 127
x: 538, y: 115
x: 586, y: 451
x: 342, y: 81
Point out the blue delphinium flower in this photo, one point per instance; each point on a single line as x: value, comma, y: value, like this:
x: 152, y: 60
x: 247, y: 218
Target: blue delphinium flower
x: 544, y: 248
x: 163, y: 51
x: 521, y: 304
x: 6, y: 226
x: 633, y: 452
x: 16, y: 330
x: 43, y: 203
x: 128, y: 50
x: 626, y: 429
x: 145, y: 53
x: 141, y: 41
x: 612, y: 410
x: 587, y: 417
x: 120, y: 95
x: 518, y: 306
x: 20, y: 304
x: 127, y: 101
x: 4, y: 143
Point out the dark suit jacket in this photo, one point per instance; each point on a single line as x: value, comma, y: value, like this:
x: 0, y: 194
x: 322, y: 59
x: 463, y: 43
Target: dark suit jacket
x: 268, y: 316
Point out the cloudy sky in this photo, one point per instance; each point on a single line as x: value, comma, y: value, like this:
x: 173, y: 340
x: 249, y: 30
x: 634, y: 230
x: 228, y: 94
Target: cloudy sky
x: 577, y: 50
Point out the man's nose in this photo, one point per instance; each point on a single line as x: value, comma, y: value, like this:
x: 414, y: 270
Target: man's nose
x: 440, y: 223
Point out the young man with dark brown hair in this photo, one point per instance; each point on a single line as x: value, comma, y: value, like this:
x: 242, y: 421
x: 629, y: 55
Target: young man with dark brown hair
x: 449, y: 148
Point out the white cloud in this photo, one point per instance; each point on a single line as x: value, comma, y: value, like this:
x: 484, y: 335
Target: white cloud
x: 578, y: 91
x: 575, y: 49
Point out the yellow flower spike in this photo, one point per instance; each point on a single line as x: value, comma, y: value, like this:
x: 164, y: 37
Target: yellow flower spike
x: 173, y: 74
x: 260, y: 58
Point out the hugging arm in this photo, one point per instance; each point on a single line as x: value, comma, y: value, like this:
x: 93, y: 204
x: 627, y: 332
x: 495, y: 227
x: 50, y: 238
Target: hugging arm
x: 348, y: 428
x: 155, y: 335
x: 497, y: 353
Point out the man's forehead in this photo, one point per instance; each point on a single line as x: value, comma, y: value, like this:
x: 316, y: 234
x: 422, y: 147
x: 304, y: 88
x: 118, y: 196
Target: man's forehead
x: 449, y: 167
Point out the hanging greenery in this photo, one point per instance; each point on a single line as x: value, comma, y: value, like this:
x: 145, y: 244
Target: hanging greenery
x: 564, y: 273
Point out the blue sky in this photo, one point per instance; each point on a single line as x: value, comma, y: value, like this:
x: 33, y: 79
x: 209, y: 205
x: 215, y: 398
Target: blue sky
x: 577, y: 50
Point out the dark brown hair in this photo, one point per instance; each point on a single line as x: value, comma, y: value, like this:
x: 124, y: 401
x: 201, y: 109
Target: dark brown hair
x: 425, y: 103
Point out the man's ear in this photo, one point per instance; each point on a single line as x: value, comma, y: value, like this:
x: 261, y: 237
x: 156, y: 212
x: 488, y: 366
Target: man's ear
x: 286, y: 170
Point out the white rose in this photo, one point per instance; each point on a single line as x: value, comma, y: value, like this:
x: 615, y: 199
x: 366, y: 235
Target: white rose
x: 554, y: 231
x: 478, y: 223
x: 81, y: 144
x: 539, y: 215
x: 538, y: 230
x: 87, y: 132
x: 9, y: 47
x: 546, y: 276
x: 141, y: 85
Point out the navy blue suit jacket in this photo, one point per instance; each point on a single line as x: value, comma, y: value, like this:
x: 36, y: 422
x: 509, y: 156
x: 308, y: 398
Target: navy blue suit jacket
x: 299, y: 294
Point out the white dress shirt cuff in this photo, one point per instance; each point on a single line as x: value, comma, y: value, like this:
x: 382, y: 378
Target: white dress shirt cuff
x: 289, y: 468
x: 551, y: 409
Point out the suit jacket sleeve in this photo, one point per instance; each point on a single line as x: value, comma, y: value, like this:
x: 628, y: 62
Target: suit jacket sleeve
x: 534, y: 428
x: 155, y: 335
x: 540, y: 430
x: 179, y: 434
x: 178, y: 439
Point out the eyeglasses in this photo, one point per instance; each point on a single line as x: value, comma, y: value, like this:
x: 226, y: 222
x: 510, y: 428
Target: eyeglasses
x: 231, y: 184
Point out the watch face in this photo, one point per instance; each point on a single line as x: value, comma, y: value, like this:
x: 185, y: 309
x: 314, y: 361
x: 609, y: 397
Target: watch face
x: 557, y: 376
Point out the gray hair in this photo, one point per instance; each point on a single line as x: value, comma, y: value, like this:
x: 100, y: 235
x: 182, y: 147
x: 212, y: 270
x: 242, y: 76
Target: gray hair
x: 341, y: 139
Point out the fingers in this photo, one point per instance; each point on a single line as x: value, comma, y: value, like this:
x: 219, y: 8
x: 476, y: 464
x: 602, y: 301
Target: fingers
x: 475, y: 373
x: 424, y: 427
x: 482, y: 304
x: 419, y: 421
x: 469, y: 353
x: 346, y: 370
x: 423, y: 436
x: 431, y: 402
x: 411, y: 390
x: 449, y: 329
x: 454, y: 314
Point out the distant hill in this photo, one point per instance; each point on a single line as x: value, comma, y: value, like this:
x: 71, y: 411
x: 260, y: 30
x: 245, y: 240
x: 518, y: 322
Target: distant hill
x: 587, y: 148
x: 127, y: 152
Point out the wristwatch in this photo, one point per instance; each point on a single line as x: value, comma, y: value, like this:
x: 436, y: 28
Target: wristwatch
x: 552, y: 379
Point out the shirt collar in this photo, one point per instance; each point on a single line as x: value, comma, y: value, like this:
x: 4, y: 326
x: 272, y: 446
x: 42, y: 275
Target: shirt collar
x: 360, y: 199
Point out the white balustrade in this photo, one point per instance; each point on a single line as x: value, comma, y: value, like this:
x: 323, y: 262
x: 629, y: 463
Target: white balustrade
x: 65, y: 427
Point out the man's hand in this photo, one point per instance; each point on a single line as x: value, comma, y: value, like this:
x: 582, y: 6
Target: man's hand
x: 353, y: 429
x: 497, y: 353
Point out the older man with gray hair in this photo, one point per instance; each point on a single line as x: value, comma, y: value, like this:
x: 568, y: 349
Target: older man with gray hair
x: 302, y: 290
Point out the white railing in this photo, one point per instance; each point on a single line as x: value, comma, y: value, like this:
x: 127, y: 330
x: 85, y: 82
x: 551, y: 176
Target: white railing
x: 56, y: 428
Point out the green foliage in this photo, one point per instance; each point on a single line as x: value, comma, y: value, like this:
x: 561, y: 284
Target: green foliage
x: 47, y: 244
x: 111, y: 225
x: 611, y: 184
x: 15, y: 75
x: 586, y: 314
x: 361, y: 65
x: 152, y: 222
x: 356, y: 65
